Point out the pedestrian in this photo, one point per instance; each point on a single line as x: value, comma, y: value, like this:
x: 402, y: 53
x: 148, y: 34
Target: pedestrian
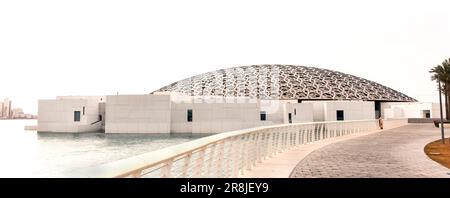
x: 380, y: 122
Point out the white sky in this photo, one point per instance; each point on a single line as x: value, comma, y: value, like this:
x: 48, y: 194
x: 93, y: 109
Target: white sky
x: 50, y: 48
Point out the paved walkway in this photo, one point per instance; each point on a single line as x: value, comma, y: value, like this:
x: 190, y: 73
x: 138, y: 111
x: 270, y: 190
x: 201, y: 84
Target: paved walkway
x: 391, y: 153
x: 282, y: 164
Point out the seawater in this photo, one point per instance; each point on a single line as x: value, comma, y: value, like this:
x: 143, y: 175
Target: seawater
x: 32, y: 154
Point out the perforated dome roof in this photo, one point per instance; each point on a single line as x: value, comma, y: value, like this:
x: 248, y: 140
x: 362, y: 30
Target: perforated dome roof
x: 285, y: 82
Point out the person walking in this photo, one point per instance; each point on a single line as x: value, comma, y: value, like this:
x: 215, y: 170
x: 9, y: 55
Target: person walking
x: 380, y: 122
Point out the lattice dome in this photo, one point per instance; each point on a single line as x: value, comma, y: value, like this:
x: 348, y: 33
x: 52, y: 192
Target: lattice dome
x: 284, y: 82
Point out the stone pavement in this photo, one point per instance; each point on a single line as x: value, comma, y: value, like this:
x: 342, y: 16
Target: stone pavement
x: 282, y: 164
x: 390, y: 153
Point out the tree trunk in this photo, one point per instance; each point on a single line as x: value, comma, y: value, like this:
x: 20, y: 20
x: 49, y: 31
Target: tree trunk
x: 446, y: 105
x: 447, y: 100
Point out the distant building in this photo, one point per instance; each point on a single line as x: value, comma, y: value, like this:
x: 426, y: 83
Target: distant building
x: 6, y: 111
x: 17, y: 113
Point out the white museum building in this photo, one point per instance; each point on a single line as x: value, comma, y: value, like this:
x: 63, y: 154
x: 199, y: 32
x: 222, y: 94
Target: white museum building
x: 231, y: 99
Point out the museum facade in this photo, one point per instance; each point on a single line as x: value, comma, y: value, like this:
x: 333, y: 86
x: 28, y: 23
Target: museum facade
x: 234, y: 98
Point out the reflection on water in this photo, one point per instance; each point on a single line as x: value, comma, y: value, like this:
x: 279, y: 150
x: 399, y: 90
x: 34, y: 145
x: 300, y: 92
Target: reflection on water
x: 31, y: 154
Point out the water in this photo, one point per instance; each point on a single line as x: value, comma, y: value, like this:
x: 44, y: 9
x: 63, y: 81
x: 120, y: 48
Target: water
x: 31, y: 154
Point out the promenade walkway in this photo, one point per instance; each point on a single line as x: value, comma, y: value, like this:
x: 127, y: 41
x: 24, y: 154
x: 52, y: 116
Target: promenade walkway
x: 389, y: 153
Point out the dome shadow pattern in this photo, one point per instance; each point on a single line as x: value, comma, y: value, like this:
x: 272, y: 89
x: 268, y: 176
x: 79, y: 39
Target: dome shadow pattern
x: 285, y: 82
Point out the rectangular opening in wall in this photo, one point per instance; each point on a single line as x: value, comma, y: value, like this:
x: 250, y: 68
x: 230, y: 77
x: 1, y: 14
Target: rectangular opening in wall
x: 295, y: 111
x: 262, y: 116
x: 340, y: 115
x: 76, y: 116
x: 377, y: 109
x: 426, y: 114
x: 290, y: 117
x: 84, y: 110
x: 189, y: 115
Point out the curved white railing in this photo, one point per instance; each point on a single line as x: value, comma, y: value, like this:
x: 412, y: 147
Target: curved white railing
x: 231, y: 153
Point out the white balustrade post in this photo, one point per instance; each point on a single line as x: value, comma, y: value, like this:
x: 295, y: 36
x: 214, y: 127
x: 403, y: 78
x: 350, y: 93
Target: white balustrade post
x: 289, y: 145
x: 334, y: 129
x: 263, y: 145
x: 350, y: 127
x: 319, y: 131
x: 307, y: 128
x: 274, y: 141
x: 280, y: 140
x: 345, y: 129
x: 228, y: 157
x: 167, y: 169
x: 303, y: 130
x: 186, y: 163
x: 236, y: 156
x: 220, y: 159
x: 257, y: 144
x: 211, y: 159
x: 267, y: 144
x: 248, y: 164
x: 314, y: 133
x: 252, y: 156
x: 199, y: 162
x: 244, y: 153
x: 294, y: 136
x: 307, y: 132
x: 285, y: 138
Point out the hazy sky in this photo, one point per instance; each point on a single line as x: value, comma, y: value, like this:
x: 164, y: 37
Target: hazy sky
x: 50, y: 48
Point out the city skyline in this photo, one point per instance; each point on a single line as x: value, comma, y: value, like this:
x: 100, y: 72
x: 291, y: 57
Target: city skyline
x: 49, y: 49
x: 9, y: 111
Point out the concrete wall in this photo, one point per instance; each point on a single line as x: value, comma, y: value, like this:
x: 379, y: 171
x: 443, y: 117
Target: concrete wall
x: 213, y: 114
x: 102, y: 113
x: 353, y: 110
x: 318, y: 110
x: 179, y: 107
x: 275, y: 111
x: 168, y: 114
x: 225, y: 115
x: 409, y: 109
x: 301, y: 112
x: 58, y: 115
x: 137, y: 114
x: 435, y: 110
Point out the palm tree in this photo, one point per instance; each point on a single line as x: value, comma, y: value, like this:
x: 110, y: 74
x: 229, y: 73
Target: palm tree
x: 442, y: 73
x: 446, y: 86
